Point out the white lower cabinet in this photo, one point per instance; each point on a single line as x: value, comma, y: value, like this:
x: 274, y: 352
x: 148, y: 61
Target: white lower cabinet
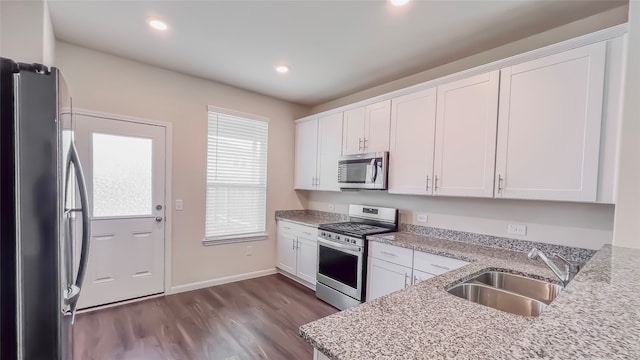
x: 297, y: 251
x: 392, y: 268
x: 419, y: 276
x: 386, y: 277
x: 307, y: 259
x: 317, y: 355
x: 287, y: 252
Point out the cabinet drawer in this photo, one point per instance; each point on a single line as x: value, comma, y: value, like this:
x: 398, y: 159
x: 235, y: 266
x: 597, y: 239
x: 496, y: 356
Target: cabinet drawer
x: 393, y: 254
x: 435, y: 264
x: 307, y: 232
x: 286, y: 227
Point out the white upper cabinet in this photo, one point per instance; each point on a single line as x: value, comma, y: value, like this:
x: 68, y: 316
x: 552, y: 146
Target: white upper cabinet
x: 306, y: 155
x: 413, y: 119
x: 353, y: 131
x: 376, y: 127
x: 366, y: 129
x: 465, y: 139
x: 549, y: 124
x: 329, y: 152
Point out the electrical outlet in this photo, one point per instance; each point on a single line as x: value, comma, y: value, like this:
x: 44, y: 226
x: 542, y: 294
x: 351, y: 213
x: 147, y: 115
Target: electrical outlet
x: 422, y: 218
x: 249, y: 250
x: 331, y: 207
x: 179, y: 205
x: 516, y: 229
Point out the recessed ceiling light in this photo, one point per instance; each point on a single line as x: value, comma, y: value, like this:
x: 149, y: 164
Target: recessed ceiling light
x: 158, y: 24
x: 398, y: 2
x: 282, y: 68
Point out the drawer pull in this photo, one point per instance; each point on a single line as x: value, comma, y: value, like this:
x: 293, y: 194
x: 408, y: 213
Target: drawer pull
x: 440, y: 267
x: 388, y: 253
x: 306, y: 233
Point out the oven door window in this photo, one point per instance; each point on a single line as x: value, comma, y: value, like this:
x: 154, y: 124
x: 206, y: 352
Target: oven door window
x: 357, y: 171
x: 338, y: 265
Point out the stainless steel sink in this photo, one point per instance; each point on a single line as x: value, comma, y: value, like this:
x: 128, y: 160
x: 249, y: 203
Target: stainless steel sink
x: 532, y: 288
x: 507, y: 292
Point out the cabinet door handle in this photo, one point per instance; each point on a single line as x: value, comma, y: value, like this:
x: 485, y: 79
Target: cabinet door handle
x: 415, y: 279
x: 364, y: 144
x: 293, y: 244
x: 388, y: 254
x: 428, y: 183
x: 440, y: 267
x: 406, y: 276
x: 435, y: 183
x: 360, y: 144
x: 500, y: 178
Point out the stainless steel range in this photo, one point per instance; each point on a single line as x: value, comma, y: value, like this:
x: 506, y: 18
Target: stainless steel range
x: 342, y: 253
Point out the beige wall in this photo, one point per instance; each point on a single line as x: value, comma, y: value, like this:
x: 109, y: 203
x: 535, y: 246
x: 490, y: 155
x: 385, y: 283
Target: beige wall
x: 583, y: 225
x: 593, y: 23
x: 627, y: 221
x: 26, y: 34
x: 111, y: 84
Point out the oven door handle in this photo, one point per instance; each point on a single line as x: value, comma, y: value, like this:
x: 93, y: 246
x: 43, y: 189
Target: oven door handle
x: 332, y: 244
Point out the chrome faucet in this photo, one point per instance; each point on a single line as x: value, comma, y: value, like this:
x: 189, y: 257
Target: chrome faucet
x: 570, y: 268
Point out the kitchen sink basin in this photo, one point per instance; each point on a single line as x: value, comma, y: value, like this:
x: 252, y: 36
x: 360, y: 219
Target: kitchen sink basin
x: 507, y: 292
x: 532, y: 288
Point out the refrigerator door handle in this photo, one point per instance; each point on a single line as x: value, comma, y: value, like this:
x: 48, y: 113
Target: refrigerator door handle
x: 73, y: 291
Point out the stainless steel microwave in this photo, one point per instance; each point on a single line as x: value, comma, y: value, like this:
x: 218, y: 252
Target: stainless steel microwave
x: 363, y: 171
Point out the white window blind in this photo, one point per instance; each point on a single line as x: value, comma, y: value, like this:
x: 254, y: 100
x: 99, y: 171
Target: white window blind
x: 236, y: 177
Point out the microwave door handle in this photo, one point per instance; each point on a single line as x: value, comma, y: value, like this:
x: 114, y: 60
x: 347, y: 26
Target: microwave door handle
x: 374, y: 171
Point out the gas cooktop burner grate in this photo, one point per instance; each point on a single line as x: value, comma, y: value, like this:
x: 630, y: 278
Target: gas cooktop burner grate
x: 354, y: 228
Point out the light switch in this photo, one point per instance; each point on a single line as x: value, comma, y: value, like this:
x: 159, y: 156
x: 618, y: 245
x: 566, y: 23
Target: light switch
x: 179, y: 205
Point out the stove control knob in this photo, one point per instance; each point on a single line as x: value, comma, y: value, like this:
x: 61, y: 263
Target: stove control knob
x: 337, y: 237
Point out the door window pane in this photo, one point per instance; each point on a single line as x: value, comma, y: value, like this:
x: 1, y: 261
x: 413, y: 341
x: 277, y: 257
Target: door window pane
x: 122, y: 167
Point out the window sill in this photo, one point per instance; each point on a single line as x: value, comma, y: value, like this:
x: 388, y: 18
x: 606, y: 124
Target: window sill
x: 235, y: 239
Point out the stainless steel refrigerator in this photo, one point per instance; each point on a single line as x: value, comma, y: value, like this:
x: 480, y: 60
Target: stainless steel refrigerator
x: 43, y: 200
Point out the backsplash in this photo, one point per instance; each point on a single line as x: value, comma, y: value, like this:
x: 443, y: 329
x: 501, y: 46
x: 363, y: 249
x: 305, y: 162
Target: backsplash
x: 572, y: 253
x: 317, y: 213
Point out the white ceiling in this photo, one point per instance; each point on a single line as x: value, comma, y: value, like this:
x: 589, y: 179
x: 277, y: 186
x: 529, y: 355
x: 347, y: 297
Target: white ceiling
x: 334, y: 48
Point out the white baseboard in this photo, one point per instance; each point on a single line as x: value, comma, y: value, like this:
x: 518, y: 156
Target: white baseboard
x: 220, y: 281
x: 124, y: 302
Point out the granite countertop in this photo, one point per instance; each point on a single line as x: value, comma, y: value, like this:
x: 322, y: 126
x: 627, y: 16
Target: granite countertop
x: 310, y: 217
x: 597, y: 316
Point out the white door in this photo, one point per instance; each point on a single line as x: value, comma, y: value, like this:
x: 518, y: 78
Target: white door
x: 329, y: 151
x: 385, y: 278
x: 287, y: 252
x: 465, y: 147
x: 419, y: 276
x: 125, y: 172
x: 413, y: 119
x: 549, y: 126
x: 377, y: 124
x: 307, y: 265
x: 353, y: 131
x: 306, y: 151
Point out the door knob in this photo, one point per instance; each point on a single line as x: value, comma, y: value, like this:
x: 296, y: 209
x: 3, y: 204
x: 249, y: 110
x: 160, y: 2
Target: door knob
x: 158, y: 218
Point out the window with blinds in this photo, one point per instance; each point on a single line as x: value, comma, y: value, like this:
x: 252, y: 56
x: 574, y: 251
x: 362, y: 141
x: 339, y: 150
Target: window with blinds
x: 236, y: 177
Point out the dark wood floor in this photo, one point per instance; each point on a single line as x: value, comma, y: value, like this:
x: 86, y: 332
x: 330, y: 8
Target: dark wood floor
x: 251, y: 319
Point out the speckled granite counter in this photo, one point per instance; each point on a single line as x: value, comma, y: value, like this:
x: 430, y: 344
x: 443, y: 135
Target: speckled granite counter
x: 310, y: 217
x: 596, y: 317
